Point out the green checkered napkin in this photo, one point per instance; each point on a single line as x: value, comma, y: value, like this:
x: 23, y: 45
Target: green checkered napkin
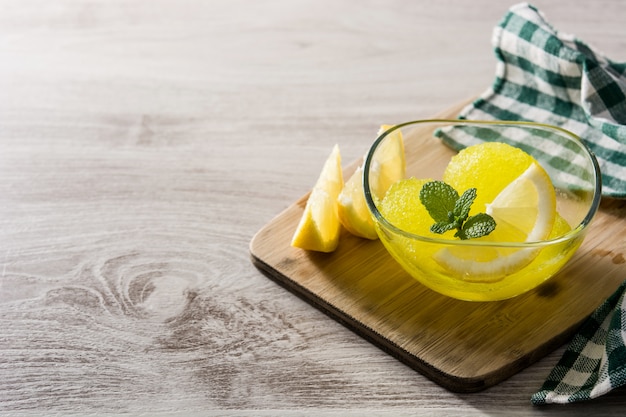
x: 594, y: 362
x: 548, y: 77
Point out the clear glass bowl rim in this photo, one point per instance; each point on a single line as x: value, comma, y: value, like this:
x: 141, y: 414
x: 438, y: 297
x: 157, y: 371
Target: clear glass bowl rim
x: 477, y: 243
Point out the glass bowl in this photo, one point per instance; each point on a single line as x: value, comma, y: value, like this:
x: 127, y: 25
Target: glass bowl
x: 429, y: 145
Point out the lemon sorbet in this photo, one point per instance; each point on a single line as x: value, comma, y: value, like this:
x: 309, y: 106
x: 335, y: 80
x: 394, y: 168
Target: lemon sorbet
x: 500, y: 217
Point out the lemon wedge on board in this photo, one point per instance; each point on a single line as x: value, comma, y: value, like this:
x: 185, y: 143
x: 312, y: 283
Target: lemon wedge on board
x: 388, y: 166
x: 319, y: 227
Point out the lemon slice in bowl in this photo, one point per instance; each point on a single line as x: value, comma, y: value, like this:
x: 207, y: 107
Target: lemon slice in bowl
x: 319, y: 227
x: 524, y: 211
x: 526, y: 207
x: 388, y: 166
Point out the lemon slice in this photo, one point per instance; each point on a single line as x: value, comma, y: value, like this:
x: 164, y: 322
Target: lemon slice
x: 527, y: 206
x: 524, y: 211
x: 319, y: 226
x: 388, y: 166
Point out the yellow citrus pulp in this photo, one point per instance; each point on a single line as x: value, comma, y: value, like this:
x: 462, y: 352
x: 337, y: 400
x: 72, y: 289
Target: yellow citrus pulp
x: 388, y: 166
x: 319, y: 227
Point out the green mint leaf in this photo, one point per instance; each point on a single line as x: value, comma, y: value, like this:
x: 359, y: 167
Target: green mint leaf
x: 439, y: 199
x: 478, y: 225
x: 464, y: 203
x: 449, y: 211
x: 442, y: 227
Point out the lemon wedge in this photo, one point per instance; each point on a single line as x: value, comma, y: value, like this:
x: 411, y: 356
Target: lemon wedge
x: 352, y: 208
x: 524, y: 211
x: 388, y: 166
x: 319, y: 227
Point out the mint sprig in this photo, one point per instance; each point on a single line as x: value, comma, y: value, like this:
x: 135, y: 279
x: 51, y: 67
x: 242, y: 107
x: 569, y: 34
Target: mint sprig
x: 451, y: 211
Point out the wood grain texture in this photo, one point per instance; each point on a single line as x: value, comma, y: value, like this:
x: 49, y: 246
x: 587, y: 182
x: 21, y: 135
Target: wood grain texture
x: 463, y: 346
x: 143, y: 144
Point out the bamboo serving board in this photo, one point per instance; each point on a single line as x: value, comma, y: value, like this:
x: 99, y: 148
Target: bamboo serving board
x: 463, y: 346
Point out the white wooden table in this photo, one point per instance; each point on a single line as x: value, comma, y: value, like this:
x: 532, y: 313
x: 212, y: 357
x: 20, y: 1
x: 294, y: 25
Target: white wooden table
x: 143, y: 144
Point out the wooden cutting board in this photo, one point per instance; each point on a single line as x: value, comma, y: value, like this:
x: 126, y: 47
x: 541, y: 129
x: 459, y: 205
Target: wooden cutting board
x: 463, y: 346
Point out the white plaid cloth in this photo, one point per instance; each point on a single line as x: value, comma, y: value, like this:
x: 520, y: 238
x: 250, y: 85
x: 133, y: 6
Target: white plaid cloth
x: 549, y: 77
x: 594, y: 362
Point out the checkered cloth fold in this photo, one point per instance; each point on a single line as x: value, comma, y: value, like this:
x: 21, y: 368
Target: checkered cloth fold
x: 549, y: 77
x: 594, y: 362
x: 545, y: 76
